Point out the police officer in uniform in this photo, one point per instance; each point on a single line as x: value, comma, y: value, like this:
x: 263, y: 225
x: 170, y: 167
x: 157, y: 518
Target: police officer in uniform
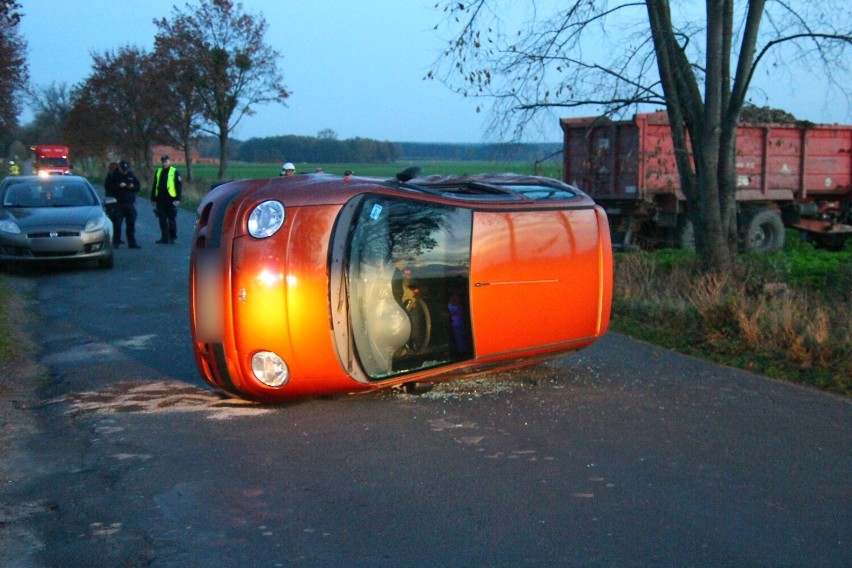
x: 123, y: 184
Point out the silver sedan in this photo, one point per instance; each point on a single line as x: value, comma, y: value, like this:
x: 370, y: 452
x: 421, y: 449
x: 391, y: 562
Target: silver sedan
x: 53, y: 218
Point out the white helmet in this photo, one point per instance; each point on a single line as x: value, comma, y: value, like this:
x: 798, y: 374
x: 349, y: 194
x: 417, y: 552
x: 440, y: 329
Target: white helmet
x: 288, y: 166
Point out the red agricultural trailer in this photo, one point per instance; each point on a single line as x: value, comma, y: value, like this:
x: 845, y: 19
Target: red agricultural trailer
x: 788, y: 175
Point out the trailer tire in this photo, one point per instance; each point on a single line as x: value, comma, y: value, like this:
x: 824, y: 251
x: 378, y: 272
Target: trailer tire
x: 764, y: 231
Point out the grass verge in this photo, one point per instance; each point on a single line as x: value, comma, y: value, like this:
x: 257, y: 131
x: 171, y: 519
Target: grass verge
x: 785, y: 315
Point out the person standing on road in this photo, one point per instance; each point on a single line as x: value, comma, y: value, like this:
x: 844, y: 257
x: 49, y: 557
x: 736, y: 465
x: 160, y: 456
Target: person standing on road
x: 165, y: 194
x: 123, y: 184
x: 111, y: 208
x: 111, y: 169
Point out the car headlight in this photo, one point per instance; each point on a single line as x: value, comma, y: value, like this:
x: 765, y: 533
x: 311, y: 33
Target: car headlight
x: 96, y: 224
x: 270, y: 369
x: 266, y: 219
x: 9, y: 226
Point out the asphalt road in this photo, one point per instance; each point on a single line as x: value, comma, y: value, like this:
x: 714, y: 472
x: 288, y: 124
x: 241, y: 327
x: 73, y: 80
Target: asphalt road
x: 621, y: 455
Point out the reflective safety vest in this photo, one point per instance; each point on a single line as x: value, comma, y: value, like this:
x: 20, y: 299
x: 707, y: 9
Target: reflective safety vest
x: 170, y: 182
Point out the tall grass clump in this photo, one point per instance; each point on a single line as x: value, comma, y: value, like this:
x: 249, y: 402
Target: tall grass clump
x: 785, y: 315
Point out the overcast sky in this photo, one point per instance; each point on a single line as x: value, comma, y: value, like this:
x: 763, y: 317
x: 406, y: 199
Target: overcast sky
x: 355, y: 67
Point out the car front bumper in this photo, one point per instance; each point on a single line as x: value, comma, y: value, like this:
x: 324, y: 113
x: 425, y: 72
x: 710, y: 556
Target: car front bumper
x: 41, y: 245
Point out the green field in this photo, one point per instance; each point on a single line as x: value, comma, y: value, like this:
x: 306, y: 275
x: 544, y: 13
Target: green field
x: 243, y: 170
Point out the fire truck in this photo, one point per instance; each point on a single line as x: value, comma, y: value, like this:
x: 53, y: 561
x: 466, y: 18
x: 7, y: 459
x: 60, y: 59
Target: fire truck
x: 51, y: 159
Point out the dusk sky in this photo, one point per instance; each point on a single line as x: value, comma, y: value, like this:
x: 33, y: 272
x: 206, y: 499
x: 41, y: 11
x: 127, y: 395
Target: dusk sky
x: 355, y: 67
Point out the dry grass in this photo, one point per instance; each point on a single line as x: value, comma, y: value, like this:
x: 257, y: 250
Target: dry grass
x: 756, y: 318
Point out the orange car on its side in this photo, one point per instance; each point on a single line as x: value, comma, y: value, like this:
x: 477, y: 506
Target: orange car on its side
x: 317, y: 284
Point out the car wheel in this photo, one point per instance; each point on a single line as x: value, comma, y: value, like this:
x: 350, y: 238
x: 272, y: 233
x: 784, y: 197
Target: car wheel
x: 764, y: 230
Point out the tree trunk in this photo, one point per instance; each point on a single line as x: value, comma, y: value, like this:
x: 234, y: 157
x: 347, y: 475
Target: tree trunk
x: 707, y: 147
x: 187, y: 155
x: 727, y: 186
x: 223, y: 152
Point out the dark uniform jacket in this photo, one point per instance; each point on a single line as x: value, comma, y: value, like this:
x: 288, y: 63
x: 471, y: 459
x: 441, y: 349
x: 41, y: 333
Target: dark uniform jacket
x: 126, y: 194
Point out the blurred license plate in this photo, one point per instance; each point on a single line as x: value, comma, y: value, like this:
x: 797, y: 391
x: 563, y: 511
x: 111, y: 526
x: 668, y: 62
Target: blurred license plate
x: 208, y: 297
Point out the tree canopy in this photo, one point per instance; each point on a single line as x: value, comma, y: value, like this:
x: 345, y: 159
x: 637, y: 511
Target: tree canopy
x: 114, y: 108
x: 14, y: 71
x: 235, y: 69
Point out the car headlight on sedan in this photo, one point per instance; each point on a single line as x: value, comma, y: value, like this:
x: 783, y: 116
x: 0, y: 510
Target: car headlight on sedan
x: 9, y: 226
x: 270, y: 369
x: 266, y: 219
x: 96, y: 224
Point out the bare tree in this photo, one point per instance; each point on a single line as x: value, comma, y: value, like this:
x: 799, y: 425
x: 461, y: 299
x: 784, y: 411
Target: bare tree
x: 614, y: 56
x: 14, y: 72
x: 236, y: 68
x: 52, y: 107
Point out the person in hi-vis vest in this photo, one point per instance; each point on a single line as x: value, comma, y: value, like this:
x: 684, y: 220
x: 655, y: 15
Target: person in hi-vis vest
x: 165, y: 194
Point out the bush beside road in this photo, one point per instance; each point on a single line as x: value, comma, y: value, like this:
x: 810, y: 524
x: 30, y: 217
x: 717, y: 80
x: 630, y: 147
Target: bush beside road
x: 785, y: 315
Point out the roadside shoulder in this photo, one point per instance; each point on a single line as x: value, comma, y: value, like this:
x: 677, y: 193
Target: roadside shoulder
x: 20, y: 376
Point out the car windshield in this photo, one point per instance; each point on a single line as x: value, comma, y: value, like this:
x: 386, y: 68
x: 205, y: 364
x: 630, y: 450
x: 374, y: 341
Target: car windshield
x: 48, y: 192
x: 541, y: 192
x: 408, y: 266
x: 495, y: 189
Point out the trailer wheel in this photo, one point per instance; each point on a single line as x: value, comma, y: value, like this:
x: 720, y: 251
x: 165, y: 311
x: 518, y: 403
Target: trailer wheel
x: 764, y: 231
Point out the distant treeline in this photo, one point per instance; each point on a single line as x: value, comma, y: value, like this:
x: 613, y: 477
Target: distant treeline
x: 313, y: 149
x: 479, y: 152
x: 368, y: 151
